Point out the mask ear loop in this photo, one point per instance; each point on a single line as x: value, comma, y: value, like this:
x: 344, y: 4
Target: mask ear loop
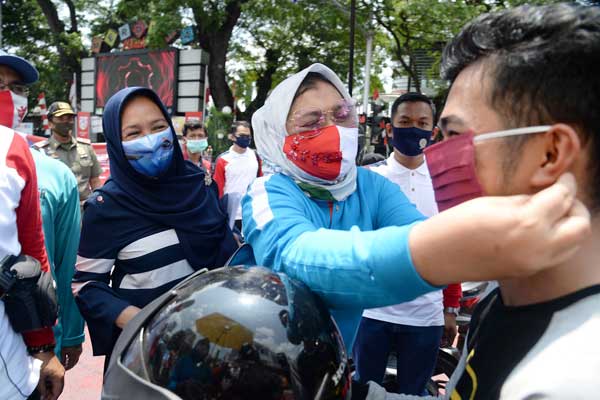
x: 511, y: 132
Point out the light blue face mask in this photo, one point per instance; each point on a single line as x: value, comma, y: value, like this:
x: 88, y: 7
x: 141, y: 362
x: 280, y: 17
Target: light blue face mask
x: 197, y: 146
x: 150, y: 155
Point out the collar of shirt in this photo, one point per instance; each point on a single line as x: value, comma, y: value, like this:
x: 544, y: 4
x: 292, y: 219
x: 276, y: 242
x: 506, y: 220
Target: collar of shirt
x: 55, y: 143
x: 244, y: 154
x: 400, y: 169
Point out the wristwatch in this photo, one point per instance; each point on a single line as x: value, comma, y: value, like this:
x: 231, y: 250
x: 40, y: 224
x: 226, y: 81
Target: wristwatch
x: 452, y: 310
x: 41, y: 349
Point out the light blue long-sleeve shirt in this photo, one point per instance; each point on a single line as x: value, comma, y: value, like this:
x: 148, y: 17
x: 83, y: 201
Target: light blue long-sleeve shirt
x: 59, y: 200
x: 353, y: 253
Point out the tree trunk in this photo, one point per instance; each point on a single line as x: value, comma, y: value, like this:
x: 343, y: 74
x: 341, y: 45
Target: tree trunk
x: 70, y: 62
x: 215, y: 40
x: 217, y: 77
x: 263, y: 83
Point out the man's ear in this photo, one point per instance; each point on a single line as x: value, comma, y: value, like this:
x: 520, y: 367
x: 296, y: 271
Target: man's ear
x: 435, y: 133
x: 562, y: 146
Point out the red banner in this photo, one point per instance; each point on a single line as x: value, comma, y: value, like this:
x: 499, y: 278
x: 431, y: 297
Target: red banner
x: 193, y: 115
x: 83, y: 124
x: 102, y: 155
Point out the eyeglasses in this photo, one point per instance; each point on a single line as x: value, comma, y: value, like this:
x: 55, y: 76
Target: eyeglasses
x: 311, y: 118
x: 17, y: 88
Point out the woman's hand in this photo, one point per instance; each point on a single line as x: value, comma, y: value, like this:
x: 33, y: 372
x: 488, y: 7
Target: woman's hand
x: 501, y: 237
x: 126, y: 315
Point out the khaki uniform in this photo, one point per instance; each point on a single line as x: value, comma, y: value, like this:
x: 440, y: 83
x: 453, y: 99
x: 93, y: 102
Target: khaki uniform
x: 79, y: 156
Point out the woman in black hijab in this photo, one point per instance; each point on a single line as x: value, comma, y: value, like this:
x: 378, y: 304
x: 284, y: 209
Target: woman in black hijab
x: 156, y: 220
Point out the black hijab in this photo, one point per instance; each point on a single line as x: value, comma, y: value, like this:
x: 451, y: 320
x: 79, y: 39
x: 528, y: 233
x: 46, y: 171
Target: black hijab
x: 179, y: 199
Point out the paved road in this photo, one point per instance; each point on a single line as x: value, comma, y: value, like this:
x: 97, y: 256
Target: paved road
x: 84, y: 381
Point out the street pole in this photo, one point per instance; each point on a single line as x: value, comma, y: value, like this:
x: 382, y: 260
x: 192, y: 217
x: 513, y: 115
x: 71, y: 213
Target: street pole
x: 1, y: 2
x: 351, y: 60
x: 367, y: 84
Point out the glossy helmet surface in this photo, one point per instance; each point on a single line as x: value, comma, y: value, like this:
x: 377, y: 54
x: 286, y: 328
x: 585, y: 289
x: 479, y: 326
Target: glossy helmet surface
x: 231, y: 333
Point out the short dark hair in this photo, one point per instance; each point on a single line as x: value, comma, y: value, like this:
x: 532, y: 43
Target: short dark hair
x: 236, y: 124
x: 195, y: 124
x: 543, y: 67
x: 412, y: 97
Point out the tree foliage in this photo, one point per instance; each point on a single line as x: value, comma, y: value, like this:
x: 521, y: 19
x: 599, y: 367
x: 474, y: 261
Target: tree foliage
x: 277, y: 38
x: 38, y: 33
x: 411, y: 27
x: 253, y: 44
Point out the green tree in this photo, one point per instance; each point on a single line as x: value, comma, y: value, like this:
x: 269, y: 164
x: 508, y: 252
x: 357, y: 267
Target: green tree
x: 66, y: 38
x: 253, y: 44
x: 277, y: 38
x: 217, y: 128
x: 213, y: 20
x: 420, y: 28
x: 35, y: 30
x: 412, y: 27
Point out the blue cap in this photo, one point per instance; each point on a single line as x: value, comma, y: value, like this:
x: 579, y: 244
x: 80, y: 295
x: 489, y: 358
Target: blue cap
x: 27, y: 71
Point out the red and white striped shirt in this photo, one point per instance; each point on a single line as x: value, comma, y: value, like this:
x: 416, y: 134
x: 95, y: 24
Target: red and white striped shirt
x: 20, y: 233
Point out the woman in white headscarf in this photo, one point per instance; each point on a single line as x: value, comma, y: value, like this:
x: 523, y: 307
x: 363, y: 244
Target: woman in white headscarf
x: 353, y: 237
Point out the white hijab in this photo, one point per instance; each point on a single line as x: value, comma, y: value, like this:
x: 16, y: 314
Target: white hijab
x: 269, y: 121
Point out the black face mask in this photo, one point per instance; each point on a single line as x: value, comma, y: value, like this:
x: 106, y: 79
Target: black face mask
x: 64, y: 129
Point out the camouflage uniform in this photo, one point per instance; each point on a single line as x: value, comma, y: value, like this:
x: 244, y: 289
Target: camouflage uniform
x: 79, y: 156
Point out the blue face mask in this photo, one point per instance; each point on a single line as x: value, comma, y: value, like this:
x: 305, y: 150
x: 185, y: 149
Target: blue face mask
x: 150, y: 155
x: 243, y: 141
x: 197, y: 146
x: 411, y: 141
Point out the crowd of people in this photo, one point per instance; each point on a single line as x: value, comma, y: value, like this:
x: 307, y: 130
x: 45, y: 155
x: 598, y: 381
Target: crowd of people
x: 507, y: 192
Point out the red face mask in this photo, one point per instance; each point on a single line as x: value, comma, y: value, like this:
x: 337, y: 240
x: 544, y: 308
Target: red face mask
x: 317, y: 152
x: 451, y: 164
x: 13, y: 108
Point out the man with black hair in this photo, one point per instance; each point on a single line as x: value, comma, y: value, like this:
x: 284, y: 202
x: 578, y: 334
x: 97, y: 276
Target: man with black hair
x: 522, y: 110
x: 415, y: 328
x: 237, y: 168
x: 195, y: 140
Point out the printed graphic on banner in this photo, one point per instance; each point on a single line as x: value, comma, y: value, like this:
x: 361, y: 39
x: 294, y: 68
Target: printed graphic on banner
x: 139, y: 29
x: 110, y: 37
x: 134, y: 44
x: 97, y: 44
x: 124, y: 32
x: 187, y: 35
x: 83, y: 125
x: 193, y: 115
x: 102, y: 155
x: 153, y: 69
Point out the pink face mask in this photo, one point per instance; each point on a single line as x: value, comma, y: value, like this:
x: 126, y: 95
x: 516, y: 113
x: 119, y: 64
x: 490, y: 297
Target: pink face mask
x: 451, y: 164
x: 13, y: 108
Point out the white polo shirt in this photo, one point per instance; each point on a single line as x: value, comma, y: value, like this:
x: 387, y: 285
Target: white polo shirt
x: 426, y: 310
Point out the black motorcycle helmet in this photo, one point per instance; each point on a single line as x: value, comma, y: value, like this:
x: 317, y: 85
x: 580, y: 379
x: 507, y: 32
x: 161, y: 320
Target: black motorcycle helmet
x: 231, y: 333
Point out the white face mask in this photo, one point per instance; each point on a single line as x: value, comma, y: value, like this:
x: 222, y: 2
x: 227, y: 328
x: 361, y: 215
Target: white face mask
x: 13, y: 108
x: 349, y: 147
